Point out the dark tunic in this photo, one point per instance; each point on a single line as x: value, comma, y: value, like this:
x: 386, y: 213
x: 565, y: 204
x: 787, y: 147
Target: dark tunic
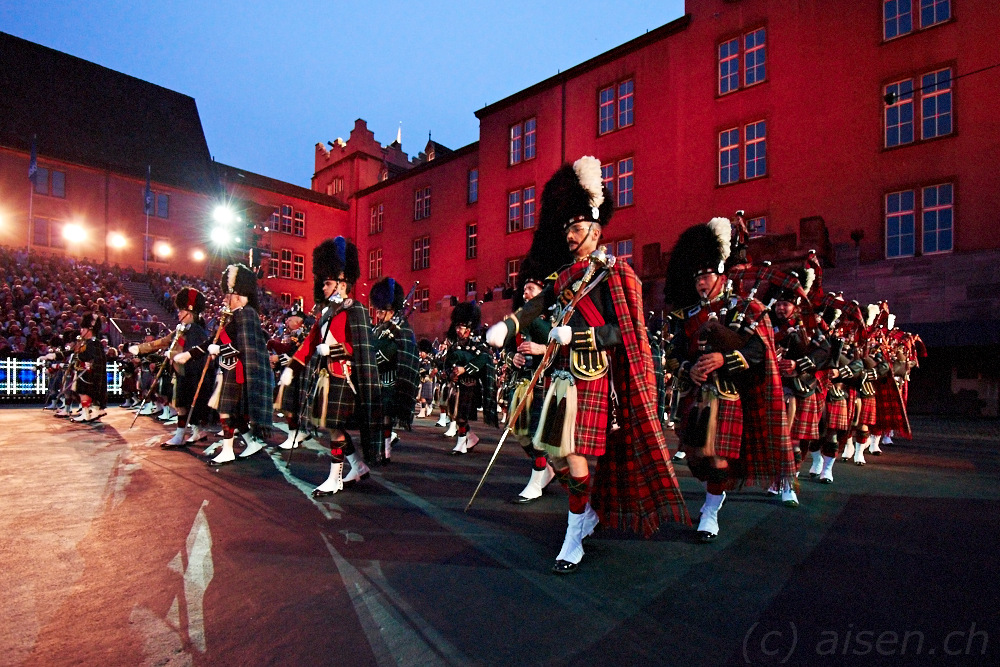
x: 92, y: 379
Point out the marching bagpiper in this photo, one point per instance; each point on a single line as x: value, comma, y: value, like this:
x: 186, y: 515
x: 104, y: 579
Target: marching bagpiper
x: 396, y: 357
x: 425, y: 351
x: 244, y: 382
x: 469, y: 366
x: 340, y: 387
x: 91, y: 381
x: 190, y: 304
x: 600, y: 401
x: 287, y: 400
x: 732, y: 423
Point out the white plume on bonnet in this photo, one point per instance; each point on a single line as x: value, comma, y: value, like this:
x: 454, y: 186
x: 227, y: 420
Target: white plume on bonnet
x: 810, y: 279
x: 588, y: 172
x: 723, y: 229
x: 892, y: 322
x: 231, y: 272
x: 872, y: 313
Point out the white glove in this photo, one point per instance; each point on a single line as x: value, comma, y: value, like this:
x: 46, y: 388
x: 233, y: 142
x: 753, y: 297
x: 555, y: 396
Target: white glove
x: 182, y: 357
x: 496, y: 335
x: 180, y: 327
x: 286, y: 378
x: 133, y: 349
x: 562, y: 335
x: 323, y: 350
x: 214, y: 350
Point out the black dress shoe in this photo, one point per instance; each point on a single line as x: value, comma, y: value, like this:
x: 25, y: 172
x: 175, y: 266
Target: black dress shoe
x: 316, y: 493
x: 813, y: 475
x: 521, y: 500
x: 167, y: 445
x: 705, y: 536
x: 826, y: 481
x: 564, y: 567
x: 217, y: 464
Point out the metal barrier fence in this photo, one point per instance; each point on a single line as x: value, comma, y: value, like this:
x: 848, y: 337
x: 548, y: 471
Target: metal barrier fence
x: 26, y: 379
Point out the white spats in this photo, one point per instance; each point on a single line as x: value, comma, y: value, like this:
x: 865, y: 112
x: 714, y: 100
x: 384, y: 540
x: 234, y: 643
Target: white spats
x: 197, y: 434
x: 254, y: 445
x: 461, y: 446
x: 359, y: 469
x: 443, y: 420
x: 708, y: 527
x: 788, y: 495
x: 578, y: 526
x: 536, y: 483
x: 226, y: 455
x: 452, y: 430
x: 84, y: 416
x: 848, y: 450
x: 859, y: 453
x: 333, y: 483
x: 873, y: 447
x: 817, y: 465
x: 294, y: 439
x: 826, y: 474
x: 177, y: 440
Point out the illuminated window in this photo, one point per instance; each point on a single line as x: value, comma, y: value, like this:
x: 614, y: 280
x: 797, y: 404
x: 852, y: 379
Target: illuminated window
x: 375, y: 264
x: 299, y: 225
x: 513, y: 268
x: 286, y: 219
x: 299, y: 267
x: 624, y: 182
x: 286, y: 264
x: 422, y: 299
x: 616, y: 106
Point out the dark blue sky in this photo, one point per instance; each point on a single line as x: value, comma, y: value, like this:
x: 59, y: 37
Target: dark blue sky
x: 272, y: 79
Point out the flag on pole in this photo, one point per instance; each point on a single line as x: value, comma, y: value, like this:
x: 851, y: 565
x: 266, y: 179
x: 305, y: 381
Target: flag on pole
x: 148, y: 195
x: 33, y: 160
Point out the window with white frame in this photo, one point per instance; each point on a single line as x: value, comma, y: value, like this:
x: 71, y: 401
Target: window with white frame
x: 286, y: 219
x: 521, y: 209
x: 47, y: 232
x: 375, y: 264
x: 899, y: 16
x: 924, y: 224
x: 756, y: 149
x: 624, y: 183
x: 471, y: 240
x: 513, y: 211
x: 753, y: 147
x: 421, y: 253
x: 298, y: 267
x: 623, y: 250
x: 299, y: 225
x: 285, y: 270
x: 337, y: 186
x: 422, y: 203
x: 750, y: 50
x: 616, y: 105
x: 422, y: 299
x: 937, y: 218
x: 608, y: 177
x: 935, y: 101
x: 375, y: 218
x: 528, y: 207
x: 522, y: 137
x: 513, y: 268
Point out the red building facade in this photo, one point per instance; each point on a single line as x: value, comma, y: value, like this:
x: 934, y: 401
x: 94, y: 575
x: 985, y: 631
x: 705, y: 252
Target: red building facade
x: 861, y: 129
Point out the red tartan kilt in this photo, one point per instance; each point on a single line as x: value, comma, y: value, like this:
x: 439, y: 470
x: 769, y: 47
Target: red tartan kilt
x: 867, y: 411
x: 838, y: 415
x: 591, y: 434
x: 729, y: 426
x: 807, y: 414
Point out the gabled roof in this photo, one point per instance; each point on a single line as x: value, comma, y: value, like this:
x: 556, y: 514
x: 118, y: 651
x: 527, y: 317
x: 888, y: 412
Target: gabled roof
x: 249, y: 179
x: 86, y: 114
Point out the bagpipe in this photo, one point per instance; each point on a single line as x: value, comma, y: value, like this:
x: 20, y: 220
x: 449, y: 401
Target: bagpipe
x: 600, y: 263
x: 166, y: 360
x: 224, y: 315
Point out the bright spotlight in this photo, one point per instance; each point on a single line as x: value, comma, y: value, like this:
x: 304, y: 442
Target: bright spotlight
x: 74, y: 233
x: 162, y: 249
x: 220, y: 236
x: 224, y: 215
x: 116, y: 240
x: 198, y: 256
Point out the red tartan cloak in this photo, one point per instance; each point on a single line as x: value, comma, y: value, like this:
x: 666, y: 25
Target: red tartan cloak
x: 635, y: 487
x: 766, y: 455
x: 890, y: 412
